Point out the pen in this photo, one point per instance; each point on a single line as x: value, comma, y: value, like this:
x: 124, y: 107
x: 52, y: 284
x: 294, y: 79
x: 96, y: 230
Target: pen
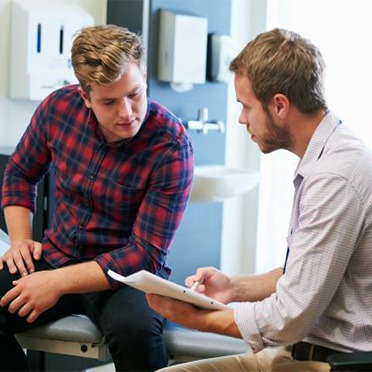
x: 194, y: 286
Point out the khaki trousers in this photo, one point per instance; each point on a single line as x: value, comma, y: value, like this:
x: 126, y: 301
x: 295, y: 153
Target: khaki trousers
x: 267, y: 360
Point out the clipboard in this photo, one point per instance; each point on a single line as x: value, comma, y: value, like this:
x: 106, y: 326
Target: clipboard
x: 150, y: 283
x: 4, y: 242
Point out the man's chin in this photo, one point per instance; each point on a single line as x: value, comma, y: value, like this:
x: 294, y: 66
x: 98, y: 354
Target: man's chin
x: 266, y: 149
x: 127, y: 133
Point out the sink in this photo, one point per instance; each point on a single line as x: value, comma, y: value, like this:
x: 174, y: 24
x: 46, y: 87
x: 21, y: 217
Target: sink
x: 216, y: 183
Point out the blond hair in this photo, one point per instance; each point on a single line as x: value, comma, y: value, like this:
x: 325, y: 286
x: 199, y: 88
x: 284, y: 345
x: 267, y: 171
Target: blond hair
x: 281, y: 61
x: 100, y: 54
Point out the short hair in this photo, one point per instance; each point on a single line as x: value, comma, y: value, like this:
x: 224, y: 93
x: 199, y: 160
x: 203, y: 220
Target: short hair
x: 100, y: 54
x: 281, y: 61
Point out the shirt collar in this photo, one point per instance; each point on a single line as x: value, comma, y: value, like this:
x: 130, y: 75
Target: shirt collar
x: 317, y: 143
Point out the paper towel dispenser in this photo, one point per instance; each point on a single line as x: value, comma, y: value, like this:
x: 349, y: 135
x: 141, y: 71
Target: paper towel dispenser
x: 222, y: 50
x: 41, y: 37
x: 182, y: 54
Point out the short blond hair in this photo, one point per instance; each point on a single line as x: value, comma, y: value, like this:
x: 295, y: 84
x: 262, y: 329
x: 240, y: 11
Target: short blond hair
x: 281, y: 61
x: 100, y: 54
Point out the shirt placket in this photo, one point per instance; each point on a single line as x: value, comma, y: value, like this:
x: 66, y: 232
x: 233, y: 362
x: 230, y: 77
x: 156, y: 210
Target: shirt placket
x: 295, y: 213
x: 87, y: 207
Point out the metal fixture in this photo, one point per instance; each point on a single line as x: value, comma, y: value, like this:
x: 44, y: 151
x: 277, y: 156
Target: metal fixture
x: 204, y: 125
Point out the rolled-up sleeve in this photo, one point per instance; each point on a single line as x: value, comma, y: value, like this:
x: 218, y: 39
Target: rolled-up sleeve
x: 244, y: 318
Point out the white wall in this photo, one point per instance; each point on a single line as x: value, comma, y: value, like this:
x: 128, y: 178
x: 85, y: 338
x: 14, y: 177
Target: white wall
x: 15, y: 115
x: 240, y: 214
x: 342, y: 34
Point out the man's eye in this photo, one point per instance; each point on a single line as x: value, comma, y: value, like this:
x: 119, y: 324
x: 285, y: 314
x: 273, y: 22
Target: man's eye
x: 133, y: 95
x: 108, y: 103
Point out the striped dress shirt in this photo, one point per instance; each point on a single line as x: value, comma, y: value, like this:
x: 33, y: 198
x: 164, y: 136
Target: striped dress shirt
x: 325, y: 295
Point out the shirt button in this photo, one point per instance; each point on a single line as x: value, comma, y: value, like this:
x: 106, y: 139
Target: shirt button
x: 91, y: 176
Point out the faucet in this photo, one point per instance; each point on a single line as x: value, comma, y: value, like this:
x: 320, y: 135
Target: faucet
x: 204, y: 125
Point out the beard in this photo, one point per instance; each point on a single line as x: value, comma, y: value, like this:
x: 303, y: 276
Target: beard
x: 276, y: 137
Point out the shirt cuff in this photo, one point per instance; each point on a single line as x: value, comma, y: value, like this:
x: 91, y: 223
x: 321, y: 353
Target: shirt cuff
x: 245, y: 319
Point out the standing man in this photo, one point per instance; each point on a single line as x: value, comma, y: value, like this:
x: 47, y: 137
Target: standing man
x: 122, y: 168
x: 294, y: 317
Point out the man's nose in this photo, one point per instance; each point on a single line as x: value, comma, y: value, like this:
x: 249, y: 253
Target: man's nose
x: 125, y: 108
x: 242, y: 119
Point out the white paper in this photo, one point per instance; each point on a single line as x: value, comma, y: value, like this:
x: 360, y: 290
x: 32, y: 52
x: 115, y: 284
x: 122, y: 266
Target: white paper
x: 4, y: 242
x: 150, y: 283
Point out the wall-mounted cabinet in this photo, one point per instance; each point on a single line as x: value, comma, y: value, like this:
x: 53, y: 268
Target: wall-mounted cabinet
x: 41, y: 37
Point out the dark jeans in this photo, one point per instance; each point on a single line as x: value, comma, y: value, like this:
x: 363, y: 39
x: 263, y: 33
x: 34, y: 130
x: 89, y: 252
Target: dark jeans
x: 132, y: 330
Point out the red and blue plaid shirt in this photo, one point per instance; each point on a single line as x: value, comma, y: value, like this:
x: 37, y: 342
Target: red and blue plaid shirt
x: 118, y: 204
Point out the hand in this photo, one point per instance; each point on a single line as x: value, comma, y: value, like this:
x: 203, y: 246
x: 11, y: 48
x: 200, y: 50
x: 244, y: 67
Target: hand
x: 32, y: 295
x: 213, y: 283
x: 176, y: 311
x: 217, y: 321
x: 20, y: 256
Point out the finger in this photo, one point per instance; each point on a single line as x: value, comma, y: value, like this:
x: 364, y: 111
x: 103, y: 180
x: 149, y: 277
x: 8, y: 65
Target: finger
x: 9, y: 260
x: 33, y: 316
x: 153, y: 301
x: 18, y: 262
x: 24, y: 310
x: 16, y: 305
x: 23, y: 257
x: 27, y: 260
x: 201, y: 288
x: 202, y: 274
x: 149, y: 297
x: 38, y: 248
x: 190, y: 280
x: 10, y: 295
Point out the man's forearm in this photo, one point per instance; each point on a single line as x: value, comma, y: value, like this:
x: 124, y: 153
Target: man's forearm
x: 255, y: 287
x: 81, y: 278
x: 19, y: 222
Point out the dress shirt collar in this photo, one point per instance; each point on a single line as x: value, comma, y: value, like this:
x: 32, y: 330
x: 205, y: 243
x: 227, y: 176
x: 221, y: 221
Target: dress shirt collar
x: 317, y: 144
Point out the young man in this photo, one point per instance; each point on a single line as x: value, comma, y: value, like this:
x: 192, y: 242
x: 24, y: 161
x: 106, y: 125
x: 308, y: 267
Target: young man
x: 294, y: 317
x: 122, y: 168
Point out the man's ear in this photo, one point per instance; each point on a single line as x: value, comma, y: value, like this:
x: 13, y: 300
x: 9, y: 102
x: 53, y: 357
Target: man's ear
x: 85, y: 98
x: 280, y: 104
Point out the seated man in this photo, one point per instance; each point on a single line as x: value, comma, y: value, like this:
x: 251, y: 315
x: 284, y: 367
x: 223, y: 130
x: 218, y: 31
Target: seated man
x: 122, y: 168
x: 293, y: 318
